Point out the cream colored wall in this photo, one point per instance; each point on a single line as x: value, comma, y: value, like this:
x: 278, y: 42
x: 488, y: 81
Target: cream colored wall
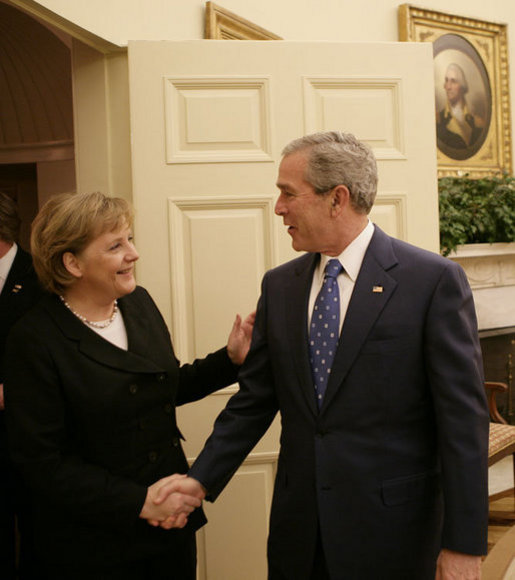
x: 101, y: 121
x: 370, y: 20
x: 119, y: 21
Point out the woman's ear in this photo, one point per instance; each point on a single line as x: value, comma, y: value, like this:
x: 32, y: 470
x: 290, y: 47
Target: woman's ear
x: 72, y: 264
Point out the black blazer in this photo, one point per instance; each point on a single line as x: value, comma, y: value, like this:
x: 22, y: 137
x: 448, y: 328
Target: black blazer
x: 20, y: 292
x: 394, y: 466
x: 92, y: 425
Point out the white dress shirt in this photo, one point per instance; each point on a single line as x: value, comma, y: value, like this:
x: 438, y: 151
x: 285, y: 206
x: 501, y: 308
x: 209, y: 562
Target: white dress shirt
x: 116, y: 333
x: 351, y: 259
x: 6, y: 263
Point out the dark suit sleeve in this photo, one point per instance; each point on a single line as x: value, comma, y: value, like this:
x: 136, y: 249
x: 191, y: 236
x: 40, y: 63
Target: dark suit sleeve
x: 40, y: 444
x: 245, y: 419
x: 204, y: 376
x: 455, y: 373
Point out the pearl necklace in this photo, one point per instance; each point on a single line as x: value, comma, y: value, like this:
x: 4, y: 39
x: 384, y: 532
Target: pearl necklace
x: 103, y: 324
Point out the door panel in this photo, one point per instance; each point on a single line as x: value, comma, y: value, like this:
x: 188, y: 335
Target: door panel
x: 208, y: 122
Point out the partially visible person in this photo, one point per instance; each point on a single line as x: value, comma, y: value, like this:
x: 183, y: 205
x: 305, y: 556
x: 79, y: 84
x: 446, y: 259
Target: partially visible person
x: 92, y: 384
x: 19, y: 290
x: 456, y: 125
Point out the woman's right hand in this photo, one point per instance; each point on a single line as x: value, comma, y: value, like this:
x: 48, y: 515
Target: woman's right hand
x: 174, y: 509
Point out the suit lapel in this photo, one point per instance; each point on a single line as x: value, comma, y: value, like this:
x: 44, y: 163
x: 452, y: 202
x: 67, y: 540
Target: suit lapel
x: 137, y: 327
x: 101, y: 350
x: 372, y: 291
x: 296, y: 306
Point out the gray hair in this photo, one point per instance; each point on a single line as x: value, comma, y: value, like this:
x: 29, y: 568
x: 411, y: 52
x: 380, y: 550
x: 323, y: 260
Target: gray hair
x: 9, y: 219
x: 336, y: 158
x: 461, y: 76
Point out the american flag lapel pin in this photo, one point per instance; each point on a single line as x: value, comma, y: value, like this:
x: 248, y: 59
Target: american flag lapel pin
x: 377, y: 289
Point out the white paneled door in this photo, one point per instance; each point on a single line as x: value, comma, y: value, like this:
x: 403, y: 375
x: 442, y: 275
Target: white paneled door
x: 208, y: 121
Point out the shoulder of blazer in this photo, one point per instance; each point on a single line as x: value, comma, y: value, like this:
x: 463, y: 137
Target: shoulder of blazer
x: 22, y: 272
x: 139, y: 327
x: 295, y: 267
x: 390, y: 252
x: 22, y: 262
x: 137, y: 304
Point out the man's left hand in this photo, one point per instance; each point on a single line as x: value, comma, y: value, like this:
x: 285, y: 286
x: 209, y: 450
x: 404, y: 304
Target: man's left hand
x: 457, y: 566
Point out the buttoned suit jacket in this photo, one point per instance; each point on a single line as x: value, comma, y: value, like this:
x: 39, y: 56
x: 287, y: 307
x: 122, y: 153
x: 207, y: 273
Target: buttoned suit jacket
x: 394, y: 466
x: 92, y: 425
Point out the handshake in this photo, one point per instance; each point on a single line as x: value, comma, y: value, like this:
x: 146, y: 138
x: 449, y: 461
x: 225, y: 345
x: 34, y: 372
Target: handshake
x: 170, y: 500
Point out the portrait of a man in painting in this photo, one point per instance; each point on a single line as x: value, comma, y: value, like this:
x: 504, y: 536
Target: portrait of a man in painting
x: 463, y: 97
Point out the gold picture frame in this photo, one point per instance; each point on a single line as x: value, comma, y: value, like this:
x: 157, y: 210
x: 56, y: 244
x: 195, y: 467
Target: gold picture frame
x: 224, y: 25
x: 472, y: 100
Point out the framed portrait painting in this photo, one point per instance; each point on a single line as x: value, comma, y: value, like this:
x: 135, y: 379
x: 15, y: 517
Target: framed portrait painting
x: 221, y: 24
x: 472, y: 105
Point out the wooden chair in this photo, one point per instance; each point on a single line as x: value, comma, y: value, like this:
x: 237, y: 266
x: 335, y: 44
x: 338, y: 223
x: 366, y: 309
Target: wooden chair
x: 501, y: 444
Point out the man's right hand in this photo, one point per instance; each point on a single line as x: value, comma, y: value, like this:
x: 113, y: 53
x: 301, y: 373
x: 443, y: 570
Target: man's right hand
x: 168, y: 503
x: 182, y: 485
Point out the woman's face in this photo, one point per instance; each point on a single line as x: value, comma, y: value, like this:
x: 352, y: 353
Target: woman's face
x: 106, y: 265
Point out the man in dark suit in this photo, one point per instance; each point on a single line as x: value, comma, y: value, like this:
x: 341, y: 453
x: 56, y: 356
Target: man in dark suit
x: 19, y: 290
x: 382, y: 471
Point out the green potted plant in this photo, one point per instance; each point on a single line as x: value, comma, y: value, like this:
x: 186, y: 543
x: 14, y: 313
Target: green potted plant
x: 474, y: 211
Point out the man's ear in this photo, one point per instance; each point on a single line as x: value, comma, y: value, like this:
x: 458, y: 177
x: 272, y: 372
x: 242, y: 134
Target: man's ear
x: 72, y: 264
x: 340, y: 198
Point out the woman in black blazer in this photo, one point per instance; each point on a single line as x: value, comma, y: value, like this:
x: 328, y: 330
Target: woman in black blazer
x: 91, y: 386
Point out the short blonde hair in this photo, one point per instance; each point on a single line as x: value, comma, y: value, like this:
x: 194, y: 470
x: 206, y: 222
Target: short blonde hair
x: 68, y: 223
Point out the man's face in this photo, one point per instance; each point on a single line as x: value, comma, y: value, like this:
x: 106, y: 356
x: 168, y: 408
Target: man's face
x: 452, y: 86
x: 306, y: 213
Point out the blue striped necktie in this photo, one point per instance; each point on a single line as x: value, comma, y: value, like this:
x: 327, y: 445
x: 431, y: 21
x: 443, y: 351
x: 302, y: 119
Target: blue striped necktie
x: 324, y: 329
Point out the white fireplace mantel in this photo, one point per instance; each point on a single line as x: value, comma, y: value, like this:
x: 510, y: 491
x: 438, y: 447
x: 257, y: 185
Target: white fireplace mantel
x: 490, y: 269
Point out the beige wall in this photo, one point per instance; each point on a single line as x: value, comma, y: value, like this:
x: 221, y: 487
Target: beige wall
x: 119, y: 21
x: 369, y: 20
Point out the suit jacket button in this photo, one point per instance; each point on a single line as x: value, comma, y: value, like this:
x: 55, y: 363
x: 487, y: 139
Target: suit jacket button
x: 133, y: 389
x: 161, y: 377
x: 168, y: 408
x: 175, y: 442
x: 152, y: 456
